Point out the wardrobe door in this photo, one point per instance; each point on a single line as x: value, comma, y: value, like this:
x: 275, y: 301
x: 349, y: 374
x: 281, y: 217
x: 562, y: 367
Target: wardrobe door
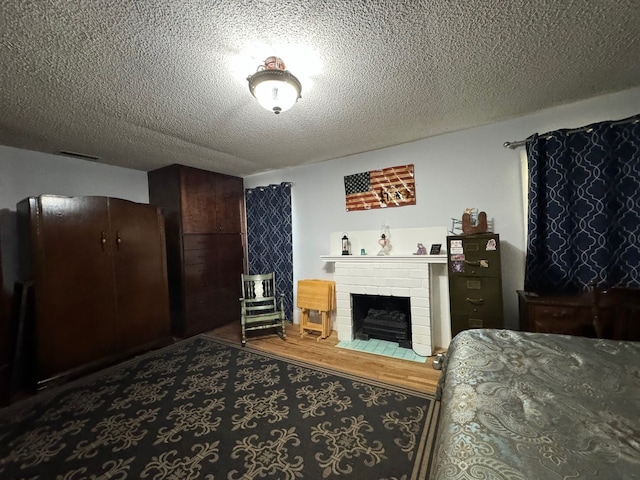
x: 228, y: 203
x: 137, y: 236
x: 227, y: 289
x: 201, y: 272
x: 197, y: 201
x: 74, y: 289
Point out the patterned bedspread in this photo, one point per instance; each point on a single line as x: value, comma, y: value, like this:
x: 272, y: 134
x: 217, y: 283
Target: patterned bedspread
x: 519, y: 405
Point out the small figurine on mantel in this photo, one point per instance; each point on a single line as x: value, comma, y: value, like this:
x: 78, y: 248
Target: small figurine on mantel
x: 422, y: 250
x: 385, y: 241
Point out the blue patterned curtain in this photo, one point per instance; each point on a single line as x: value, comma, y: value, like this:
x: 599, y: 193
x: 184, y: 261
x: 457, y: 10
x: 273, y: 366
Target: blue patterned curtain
x: 584, y: 208
x: 269, y: 238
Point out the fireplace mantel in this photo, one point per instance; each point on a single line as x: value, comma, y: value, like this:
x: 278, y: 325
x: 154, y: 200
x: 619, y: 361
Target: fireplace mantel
x: 384, y: 258
x: 388, y: 275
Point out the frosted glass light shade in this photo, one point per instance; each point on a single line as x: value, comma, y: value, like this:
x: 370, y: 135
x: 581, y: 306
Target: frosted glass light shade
x: 276, y: 90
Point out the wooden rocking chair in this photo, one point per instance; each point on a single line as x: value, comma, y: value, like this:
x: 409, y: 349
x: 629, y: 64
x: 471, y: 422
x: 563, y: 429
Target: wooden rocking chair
x: 259, y: 307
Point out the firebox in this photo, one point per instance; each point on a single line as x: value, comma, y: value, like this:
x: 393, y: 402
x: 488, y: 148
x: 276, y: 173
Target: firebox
x: 382, y: 317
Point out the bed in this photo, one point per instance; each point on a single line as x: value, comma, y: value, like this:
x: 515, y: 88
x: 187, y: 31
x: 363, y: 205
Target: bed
x: 518, y: 405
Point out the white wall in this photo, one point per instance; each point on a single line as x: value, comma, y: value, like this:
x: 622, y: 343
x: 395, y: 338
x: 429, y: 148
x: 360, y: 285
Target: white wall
x: 25, y: 173
x: 452, y: 172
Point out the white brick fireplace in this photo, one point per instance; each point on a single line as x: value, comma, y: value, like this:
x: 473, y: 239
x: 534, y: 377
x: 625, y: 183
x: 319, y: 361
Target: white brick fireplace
x: 395, y: 276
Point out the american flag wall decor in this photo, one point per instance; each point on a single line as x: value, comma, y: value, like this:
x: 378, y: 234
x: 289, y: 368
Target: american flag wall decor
x: 389, y: 187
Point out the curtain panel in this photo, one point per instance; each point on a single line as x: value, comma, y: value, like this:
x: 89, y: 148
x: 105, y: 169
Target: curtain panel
x: 584, y: 208
x: 269, y: 236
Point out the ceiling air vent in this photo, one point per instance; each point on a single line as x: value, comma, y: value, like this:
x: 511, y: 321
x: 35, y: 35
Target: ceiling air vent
x: 80, y: 156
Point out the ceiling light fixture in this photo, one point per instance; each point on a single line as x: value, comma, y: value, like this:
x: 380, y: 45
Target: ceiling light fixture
x: 275, y: 88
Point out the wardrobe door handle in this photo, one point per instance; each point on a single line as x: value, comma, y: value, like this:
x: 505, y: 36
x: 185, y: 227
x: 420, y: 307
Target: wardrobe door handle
x: 118, y: 240
x: 103, y: 240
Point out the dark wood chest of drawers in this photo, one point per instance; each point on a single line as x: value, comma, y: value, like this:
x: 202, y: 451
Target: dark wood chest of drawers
x: 612, y: 313
x: 475, y: 282
x: 564, y: 314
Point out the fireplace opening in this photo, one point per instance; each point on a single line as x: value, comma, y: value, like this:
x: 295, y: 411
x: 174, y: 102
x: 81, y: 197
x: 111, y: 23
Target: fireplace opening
x: 382, y: 317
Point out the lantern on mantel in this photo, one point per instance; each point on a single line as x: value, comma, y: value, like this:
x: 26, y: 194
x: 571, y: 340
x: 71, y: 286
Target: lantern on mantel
x: 346, y: 246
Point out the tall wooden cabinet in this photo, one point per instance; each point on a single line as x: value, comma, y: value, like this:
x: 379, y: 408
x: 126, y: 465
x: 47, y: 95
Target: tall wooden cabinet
x: 204, y: 214
x: 475, y: 282
x: 99, y: 275
x: 5, y: 311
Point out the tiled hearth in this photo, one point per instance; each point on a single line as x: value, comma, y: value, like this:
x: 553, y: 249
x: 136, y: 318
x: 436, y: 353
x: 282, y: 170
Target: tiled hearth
x: 400, y: 276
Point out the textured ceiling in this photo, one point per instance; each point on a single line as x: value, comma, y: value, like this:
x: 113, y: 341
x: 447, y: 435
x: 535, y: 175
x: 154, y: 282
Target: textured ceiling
x: 143, y: 83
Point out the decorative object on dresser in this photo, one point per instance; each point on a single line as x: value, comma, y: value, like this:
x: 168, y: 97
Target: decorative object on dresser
x: 475, y: 282
x: 205, y: 252
x: 98, y: 268
x: 479, y: 226
x: 472, y: 222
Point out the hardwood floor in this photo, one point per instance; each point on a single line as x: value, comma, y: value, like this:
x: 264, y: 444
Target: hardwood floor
x: 418, y: 376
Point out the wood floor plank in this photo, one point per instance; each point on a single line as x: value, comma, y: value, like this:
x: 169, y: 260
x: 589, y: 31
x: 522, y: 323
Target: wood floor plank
x: 418, y: 376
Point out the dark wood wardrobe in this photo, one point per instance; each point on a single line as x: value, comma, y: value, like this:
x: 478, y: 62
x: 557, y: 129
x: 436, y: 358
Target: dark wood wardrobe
x: 99, y: 276
x: 5, y: 315
x: 204, y: 214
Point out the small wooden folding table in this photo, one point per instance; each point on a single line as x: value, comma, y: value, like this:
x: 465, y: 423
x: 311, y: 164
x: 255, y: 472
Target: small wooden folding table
x: 318, y: 295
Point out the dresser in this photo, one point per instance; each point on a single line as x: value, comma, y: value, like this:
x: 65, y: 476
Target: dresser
x: 615, y: 311
x: 204, y: 214
x: 570, y: 314
x: 475, y: 282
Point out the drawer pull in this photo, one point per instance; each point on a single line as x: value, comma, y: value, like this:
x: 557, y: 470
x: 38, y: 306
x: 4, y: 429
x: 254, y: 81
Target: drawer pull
x: 475, y: 301
x: 478, y: 263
